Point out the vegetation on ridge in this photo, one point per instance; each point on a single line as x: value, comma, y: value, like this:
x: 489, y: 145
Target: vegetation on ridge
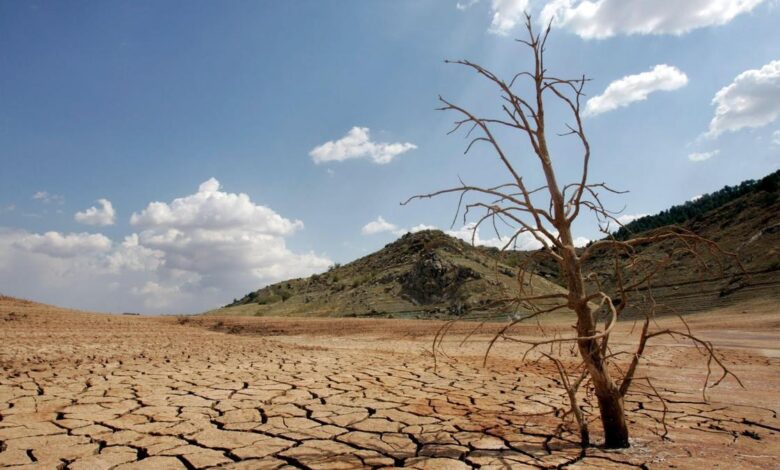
x: 426, y: 274
x: 682, y: 213
x: 742, y: 218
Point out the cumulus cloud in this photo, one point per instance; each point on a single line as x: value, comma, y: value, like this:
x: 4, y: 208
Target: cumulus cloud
x: 632, y: 88
x: 599, y: 19
x: 465, y: 5
x: 357, y: 144
x: 157, y: 295
x: 506, y: 15
x: 466, y: 233
x: 702, y: 156
x: 223, y: 237
x: 65, y: 246
x: 421, y: 227
x: 379, y: 225
x: 193, y: 253
x: 48, y: 198
x: 130, y: 255
x: 628, y: 218
x: 210, y: 209
x: 53, y: 268
x: 696, y: 197
x: 103, y: 215
x: 525, y: 241
x: 751, y: 100
x: 581, y: 242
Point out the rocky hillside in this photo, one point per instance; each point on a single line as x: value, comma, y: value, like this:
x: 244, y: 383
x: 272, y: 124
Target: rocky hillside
x: 744, y: 220
x: 749, y: 227
x: 694, y: 209
x: 429, y: 274
x: 423, y: 274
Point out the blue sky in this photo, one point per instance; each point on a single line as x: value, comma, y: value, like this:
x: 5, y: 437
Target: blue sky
x: 138, y: 102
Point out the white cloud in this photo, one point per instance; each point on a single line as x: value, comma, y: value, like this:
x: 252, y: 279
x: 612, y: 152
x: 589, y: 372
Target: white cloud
x: 211, y: 209
x: 104, y: 215
x: 628, y: 218
x: 506, y: 15
x: 580, y: 242
x: 223, y: 238
x: 80, y: 274
x: 53, y: 268
x: 525, y: 241
x: 466, y: 4
x: 625, y: 219
x: 357, y: 144
x: 421, y: 227
x: 130, y: 255
x: 701, y: 156
x: 65, y: 246
x: 751, y: 100
x: 696, y: 197
x: 156, y: 295
x: 8, y: 208
x: 467, y: 234
x: 632, y: 88
x: 775, y: 141
x: 598, y: 19
x: 379, y: 225
x: 194, y: 253
x: 48, y: 198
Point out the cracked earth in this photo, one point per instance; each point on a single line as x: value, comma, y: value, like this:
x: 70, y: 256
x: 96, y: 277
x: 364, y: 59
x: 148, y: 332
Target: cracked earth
x: 85, y: 391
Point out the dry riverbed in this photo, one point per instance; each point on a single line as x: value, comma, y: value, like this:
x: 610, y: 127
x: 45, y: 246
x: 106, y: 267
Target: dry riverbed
x: 90, y: 391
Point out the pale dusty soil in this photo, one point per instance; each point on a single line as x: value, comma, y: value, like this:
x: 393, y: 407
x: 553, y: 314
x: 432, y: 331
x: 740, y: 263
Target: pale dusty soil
x: 90, y: 391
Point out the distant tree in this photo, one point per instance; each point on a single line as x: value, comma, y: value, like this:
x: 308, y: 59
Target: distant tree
x: 547, y: 213
x: 692, y: 209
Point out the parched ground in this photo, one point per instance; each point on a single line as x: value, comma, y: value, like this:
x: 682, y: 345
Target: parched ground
x: 90, y: 391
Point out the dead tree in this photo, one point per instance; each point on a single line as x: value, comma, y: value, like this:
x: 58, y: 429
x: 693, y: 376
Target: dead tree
x: 547, y: 213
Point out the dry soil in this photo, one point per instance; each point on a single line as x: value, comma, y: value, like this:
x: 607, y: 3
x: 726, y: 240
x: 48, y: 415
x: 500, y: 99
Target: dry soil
x: 90, y: 391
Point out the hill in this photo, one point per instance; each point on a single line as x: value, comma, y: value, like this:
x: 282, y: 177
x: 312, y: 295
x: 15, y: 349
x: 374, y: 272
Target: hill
x: 743, y: 220
x: 427, y: 273
x: 695, y: 209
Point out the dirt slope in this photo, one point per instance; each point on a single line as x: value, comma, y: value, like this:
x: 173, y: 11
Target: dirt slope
x: 429, y: 274
x: 83, y: 391
x: 748, y: 227
x: 423, y: 274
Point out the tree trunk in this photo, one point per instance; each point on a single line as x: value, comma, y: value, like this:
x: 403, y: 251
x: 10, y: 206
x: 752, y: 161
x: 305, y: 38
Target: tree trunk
x: 613, y: 417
